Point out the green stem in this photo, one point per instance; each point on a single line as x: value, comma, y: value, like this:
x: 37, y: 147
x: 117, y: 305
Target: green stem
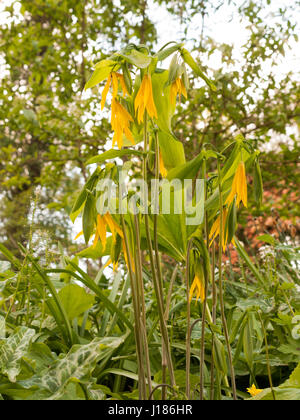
x: 55, y: 296
x: 222, y: 306
x: 137, y: 332
x: 188, y: 310
x: 158, y: 263
x: 142, y: 297
x: 157, y: 287
x: 267, y: 356
x: 202, y: 345
x: 214, y: 317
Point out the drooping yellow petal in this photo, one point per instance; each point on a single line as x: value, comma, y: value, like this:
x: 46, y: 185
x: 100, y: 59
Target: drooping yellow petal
x: 105, y: 91
x: 192, y: 289
x: 215, y: 230
x: 101, y: 227
x: 162, y: 168
x: 115, y: 84
x: 239, y: 187
x: 173, y: 92
x: 113, y: 79
x: 144, y: 99
x: 123, y: 85
x: 183, y: 89
x: 96, y: 239
x: 253, y: 391
x: 198, y: 286
x: 244, y: 186
x: 115, y: 266
x: 120, y: 121
x: 108, y: 262
x: 78, y: 235
x: 109, y: 221
x: 118, y: 138
x: 177, y: 87
x: 129, y: 135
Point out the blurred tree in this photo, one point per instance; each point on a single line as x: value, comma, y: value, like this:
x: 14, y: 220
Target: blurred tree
x: 256, y: 96
x: 46, y: 128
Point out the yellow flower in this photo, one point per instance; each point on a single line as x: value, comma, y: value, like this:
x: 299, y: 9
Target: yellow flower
x: 78, y: 235
x: 115, y: 264
x: 109, y: 262
x: 162, y: 168
x: 215, y: 230
x: 144, y: 99
x: 114, y: 79
x: 253, y: 391
x: 177, y: 87
x: 123, y: 85
x: 198, y: 288
x: 100, y: 233
x: 101, y: 228
x: 239, y: 187
x: 120, y: 120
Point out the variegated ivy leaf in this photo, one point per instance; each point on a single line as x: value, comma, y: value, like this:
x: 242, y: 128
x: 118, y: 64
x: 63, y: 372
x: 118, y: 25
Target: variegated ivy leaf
x: 76, y: 367
x: 12, y: 350
x: 2, y: 328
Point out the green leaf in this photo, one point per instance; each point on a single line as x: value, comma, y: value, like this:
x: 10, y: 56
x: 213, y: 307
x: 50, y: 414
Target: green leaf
x: 12, y: 350
x: 196, y: 68
x: 97, y: 251
x: 161, y: 95
x: 172, y: 150
x: 75, y: 300
x: 294, y: 379
x: 88, y: 218
x: 187, y: 170
x: 248, y: 261
x: 220, y: 356
x: 77, y: 366
x: 30, y: 116
x: 101, y: 72
x: 2, y: 327
x: 137, y: 58
x: 258, y: 184
x: 248, y: 342
x: 4, y: 266
x: 122, y: 372
x: 112, y: 154
x: 80, y: 200
x: 41, y: 356
x: 180, y: 378
x: 166, y: 52
x: 267, y: 238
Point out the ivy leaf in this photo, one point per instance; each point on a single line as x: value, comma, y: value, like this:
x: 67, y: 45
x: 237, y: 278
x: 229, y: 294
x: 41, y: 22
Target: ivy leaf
x: 12, y: 350
x: 76, y: 367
